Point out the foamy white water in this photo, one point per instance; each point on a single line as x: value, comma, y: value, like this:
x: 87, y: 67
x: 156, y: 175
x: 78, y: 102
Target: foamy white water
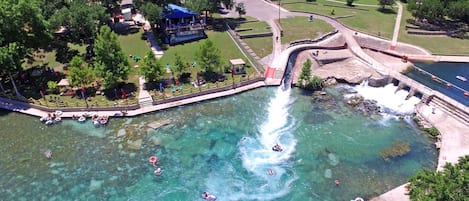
x: 393, y: 101
x: 258, y: 157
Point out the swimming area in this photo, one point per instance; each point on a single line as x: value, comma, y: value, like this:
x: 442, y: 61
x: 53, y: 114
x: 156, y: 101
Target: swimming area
x: 222, y: 146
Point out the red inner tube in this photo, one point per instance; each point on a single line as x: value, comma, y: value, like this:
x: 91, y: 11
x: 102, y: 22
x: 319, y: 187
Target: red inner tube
x: 152, y: 159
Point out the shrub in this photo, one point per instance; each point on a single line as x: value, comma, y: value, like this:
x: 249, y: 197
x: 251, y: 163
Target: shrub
x: 432, y: 131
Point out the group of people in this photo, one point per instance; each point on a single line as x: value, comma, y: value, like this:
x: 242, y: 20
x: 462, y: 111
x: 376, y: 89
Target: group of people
x: 154, y: 161
x: 277, y: 148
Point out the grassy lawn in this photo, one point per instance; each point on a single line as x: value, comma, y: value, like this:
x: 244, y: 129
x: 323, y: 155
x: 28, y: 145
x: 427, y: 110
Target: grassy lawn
x: 366, y: 19
x: 434, y: 44
x: 48, y: 58
x: 257, y: 27
x: 300, y: 28
x: 133, y: 44
x: 262, y: 46
x: 221, y: 40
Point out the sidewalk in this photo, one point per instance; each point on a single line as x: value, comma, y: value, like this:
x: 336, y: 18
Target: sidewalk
x: 26, y: 109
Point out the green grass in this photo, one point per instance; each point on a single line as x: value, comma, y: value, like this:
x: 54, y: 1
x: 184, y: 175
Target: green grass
x: 366, y: 2
x: 366, y: 19
x: 300, y: 28
x: 187, y: 50
x: 434, y: 44
x: 257, y: 27
x: 43, y: 57
x: 262, y: 46
x: 132, y: 44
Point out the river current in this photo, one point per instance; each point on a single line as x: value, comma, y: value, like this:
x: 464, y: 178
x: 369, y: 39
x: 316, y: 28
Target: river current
x: 221, y: 146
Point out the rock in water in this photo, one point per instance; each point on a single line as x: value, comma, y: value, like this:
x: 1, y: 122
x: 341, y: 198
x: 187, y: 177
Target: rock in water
x: 95, y: 184
x: 121, y: 133
x: 135, y: 145
x: 328, y: 173
x: 158, y: 124
x: 333, y: 160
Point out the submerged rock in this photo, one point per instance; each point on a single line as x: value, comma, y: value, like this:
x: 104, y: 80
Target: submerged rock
x: 95, y: 184
x: 121, y: 133
x: 328, y: 173
x: 333, y: 160
x: 156, y: 140
x: 158, y: 124
x: 135, y: 145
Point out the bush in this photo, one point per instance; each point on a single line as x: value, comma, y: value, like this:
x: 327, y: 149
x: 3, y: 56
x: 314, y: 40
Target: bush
x: 52, y: 85
x: 432, y: 131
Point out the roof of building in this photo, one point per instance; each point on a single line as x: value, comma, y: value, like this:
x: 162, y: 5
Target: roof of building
x: 175, y: 11
x: 237, y: 62
x: 126, y: 2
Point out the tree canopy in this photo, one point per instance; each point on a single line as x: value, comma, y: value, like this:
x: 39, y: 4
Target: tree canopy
x: 151, y: 68
x: 80, y: 73
x: 209, y: 56
x: 436, y: 9
x: 451, y: 184
x: 111, y: 63
x: 384, y: 3
x: 81, y: 18
x: 23, y: 28
x: 152, y: 12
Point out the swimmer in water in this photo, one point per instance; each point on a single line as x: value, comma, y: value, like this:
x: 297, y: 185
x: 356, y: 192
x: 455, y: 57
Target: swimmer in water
x: 48, y: 154
x: 158, y: 171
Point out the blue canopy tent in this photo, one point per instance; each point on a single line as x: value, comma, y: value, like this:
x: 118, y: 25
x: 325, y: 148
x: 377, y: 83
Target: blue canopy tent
x: 175, y: 12
x: 182, y: 24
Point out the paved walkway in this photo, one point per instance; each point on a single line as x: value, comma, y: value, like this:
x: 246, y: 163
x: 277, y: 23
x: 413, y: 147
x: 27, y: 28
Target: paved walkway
x: 397, y: 25
x: 157, y: 50
x: 24, y: 108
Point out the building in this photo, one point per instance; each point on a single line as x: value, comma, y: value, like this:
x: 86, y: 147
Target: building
x: 181, y: 25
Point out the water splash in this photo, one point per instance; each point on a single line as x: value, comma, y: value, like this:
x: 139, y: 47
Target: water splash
x: 393, y: 101
x: 272, y: 170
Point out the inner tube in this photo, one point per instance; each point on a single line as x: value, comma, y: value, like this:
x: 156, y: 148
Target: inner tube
x: 153, y: 159
x: 359, y: 199
x: 270, y: 172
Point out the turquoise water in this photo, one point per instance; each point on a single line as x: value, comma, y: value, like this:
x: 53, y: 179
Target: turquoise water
x: 221, y: 146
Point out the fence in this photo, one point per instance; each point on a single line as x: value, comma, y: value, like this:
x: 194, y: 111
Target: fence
x: 260, y: 69
x: 209, y: 88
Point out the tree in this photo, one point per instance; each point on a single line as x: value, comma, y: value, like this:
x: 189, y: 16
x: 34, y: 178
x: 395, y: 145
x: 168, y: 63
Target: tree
x: 459, y: 10
x: 350, y: 2
x: 450, y: 184
x: 198, y: 5
x: 81, y: 18
x: 240, y: 9
x: 151, y: 68
x: 179, y: 67
x: 306, y: 70
x: 10, y: 62
x: 428, y: 9
x: 209, y: 56
x: 111, y: 64
x: 52, y: 85
x: 23, y: 29
x: 152, y: 12
x: 80, y: 73
x: 384, y: 3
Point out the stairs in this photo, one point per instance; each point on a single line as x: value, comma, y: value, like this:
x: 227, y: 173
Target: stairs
x: 145, y: 101
x: 460, y: 115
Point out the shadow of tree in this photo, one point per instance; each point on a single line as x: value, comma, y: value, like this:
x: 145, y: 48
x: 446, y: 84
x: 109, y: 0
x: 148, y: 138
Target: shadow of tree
x: 386, y: 10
